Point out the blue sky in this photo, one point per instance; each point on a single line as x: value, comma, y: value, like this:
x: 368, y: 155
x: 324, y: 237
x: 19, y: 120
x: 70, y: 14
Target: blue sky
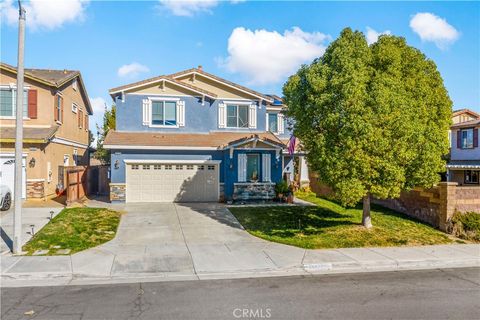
x: 234, y: 39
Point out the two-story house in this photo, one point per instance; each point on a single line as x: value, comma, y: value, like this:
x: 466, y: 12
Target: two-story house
x: 464, y: 165
x: 193, y: 136
x: 55, y: 127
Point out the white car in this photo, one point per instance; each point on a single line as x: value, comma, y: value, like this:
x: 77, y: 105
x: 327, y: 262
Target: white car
x: 5, y: 197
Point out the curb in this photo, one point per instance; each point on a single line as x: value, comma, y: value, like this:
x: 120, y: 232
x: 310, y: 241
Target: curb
x: 67, y: 278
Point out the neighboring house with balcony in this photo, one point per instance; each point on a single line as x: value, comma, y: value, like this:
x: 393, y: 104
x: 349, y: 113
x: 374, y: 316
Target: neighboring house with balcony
x: 193, y: 136
x: 55, y: 127
x: 464, y: 164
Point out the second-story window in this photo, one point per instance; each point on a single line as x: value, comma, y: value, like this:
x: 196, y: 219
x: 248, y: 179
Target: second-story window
x: 237, y: 116
x: 8, y: 102
x: 164, y: 113
x: 58, y: 108
x: 273, y: 122
x: 80, y: 119
x: 466, y: 138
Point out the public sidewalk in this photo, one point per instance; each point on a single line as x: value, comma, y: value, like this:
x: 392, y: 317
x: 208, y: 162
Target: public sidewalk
x: 97, y: 266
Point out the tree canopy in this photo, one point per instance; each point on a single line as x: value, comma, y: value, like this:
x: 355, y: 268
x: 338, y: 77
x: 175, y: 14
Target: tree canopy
x: 373, y: 119
x: 108, y: 123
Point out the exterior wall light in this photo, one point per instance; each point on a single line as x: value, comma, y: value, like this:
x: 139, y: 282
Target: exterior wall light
x: 31, y: 163
x: 116, y: 165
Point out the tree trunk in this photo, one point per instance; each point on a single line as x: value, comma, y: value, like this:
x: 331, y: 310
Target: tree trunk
x: 366, y: 220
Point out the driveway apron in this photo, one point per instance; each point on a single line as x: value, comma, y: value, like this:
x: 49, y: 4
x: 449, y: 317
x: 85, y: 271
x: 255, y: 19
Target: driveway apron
x: 177, y: 239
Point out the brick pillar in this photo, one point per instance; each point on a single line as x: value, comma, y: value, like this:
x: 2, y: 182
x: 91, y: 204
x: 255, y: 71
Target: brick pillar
x: 447, y: 203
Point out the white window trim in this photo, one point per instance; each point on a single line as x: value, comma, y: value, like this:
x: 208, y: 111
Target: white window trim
x: 163, y: 99
x: 74, y: 107
x: 14, y: 102
x: 461, y: 138
x: 237, y: 105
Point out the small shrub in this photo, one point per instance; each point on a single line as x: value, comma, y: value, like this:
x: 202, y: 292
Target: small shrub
x: 465, y: 225
x: 281, y: 187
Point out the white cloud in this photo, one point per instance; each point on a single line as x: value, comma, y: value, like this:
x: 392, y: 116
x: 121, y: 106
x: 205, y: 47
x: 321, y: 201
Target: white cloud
x: 188, y: 8
x: 132, y: 70
x: 267, y: 57
x: 45, y: 14
x: 372, y: 35
x: 98, y: 105
x: 434, y: 29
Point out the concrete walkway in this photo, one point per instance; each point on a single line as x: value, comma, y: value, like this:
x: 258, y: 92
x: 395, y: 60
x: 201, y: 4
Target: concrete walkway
x: 159, y: 242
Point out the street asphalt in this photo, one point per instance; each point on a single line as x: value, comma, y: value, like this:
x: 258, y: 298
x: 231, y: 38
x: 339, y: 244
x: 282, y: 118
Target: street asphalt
x: 426, y: 294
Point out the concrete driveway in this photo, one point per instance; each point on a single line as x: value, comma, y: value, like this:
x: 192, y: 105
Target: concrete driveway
x: 182, y: 239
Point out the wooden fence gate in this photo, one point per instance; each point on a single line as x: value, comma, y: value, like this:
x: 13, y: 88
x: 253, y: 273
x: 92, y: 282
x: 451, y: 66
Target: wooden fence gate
x: 76, y: 183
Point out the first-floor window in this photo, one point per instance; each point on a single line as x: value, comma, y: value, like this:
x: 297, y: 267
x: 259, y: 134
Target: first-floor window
x: 237, y: 116
x: 164, y: 113
x: 467, y: 138
x: 272, y: 122
x: 8, y: 102
x: 253, y: 167
x: 472, y: 176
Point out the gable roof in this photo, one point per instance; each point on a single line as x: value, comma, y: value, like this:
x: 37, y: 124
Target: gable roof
x: 466, y: 124
x: 465, y: 110
x: 221, y: 80
x: 113, y: 91
x: 172, y: 79
x: 52, y: 78
x: 212, y: 140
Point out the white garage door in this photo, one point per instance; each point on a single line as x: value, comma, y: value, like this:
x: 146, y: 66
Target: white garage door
x: 7, y: 173
x: 172, y: 182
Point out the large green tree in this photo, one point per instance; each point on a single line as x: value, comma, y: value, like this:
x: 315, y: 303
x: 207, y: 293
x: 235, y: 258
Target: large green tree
x: 373, y: 119
x: 108, y: 124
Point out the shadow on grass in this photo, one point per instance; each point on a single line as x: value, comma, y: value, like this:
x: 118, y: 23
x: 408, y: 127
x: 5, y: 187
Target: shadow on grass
x: 289, y: 221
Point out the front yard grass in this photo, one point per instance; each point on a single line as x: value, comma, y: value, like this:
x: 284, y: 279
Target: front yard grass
x: 329, y: 225
x: 76, y: 229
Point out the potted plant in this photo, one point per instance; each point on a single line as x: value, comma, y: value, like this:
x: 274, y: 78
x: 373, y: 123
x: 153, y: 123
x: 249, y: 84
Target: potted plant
x: 281, y: 188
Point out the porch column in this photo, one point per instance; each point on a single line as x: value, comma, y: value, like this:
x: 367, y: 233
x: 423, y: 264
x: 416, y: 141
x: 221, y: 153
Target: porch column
x: 304, y: 180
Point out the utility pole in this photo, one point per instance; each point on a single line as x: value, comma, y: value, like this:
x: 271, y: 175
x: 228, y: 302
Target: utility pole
x: 17, y: 216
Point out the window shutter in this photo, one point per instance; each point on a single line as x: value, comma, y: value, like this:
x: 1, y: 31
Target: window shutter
x: 32, y: 104
x: 181, y: 113
x: 242, y: 167
x: 61, y: 109
x: 459, y: 139
x: 55, y: 112
x: 86, y: 122
x: 475, y: 138
x: 252, y: 116
x: 79, y: 118
x: 266, y: 168
x: 222, y: 115
x: 146, y: 112
x: 281, y: 123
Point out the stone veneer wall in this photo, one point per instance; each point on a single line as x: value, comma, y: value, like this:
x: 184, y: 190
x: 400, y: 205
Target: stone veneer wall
x: 424, y: 205
x: 253, y: 191
x: 467, y: 199
x: 118, y: 192
x: 36, y: 189
x: 434, y: 206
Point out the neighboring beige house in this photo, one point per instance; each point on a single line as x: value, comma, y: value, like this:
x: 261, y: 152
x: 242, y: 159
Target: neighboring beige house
x: 464, y: 115
x: 55, y: 134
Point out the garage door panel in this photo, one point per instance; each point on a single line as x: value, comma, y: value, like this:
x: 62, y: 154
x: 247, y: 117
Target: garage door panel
x: 174, y: 182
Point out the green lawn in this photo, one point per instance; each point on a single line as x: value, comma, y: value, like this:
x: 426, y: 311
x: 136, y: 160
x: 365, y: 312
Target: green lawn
x: 76, y: 229
x: 328, y: 225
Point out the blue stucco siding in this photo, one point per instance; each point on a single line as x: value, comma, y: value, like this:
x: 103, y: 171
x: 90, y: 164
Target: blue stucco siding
x: 118, y: 175
x: 198, y: 118
x: 228, y: 167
